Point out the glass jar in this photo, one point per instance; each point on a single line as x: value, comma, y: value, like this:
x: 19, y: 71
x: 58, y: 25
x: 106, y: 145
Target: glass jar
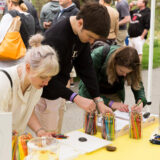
x: 90, y: 126
x: 108, y: 127
x: 135, y: 125
x: 43, y: 148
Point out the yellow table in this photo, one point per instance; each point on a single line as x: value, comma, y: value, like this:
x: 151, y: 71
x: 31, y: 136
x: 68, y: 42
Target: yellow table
x: 128, y: 149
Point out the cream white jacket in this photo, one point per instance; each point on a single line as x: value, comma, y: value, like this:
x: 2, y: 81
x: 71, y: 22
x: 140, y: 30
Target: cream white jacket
x: 13, y: 100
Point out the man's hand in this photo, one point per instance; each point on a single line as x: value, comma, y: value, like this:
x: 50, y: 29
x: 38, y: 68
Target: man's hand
x: 43, y: 133
x: 120, y: 106
x: 46, y: 25
x: 103, y: 108
x: 87, y: 104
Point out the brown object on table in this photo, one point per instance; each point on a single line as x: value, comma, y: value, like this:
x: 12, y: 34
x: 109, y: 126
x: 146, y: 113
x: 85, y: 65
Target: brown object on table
x: 111, y: 148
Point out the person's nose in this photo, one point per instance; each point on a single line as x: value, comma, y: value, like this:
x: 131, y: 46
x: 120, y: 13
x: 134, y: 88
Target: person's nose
x: 45, y: 82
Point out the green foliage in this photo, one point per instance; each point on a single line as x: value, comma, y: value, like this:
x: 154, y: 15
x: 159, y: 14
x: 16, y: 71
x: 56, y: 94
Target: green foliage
x: 156, y: 55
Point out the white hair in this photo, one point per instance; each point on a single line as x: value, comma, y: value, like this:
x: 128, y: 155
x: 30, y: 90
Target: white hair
x: 41, y: 58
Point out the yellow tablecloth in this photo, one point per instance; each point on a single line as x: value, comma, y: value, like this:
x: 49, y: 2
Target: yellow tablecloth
x: 128, y: 149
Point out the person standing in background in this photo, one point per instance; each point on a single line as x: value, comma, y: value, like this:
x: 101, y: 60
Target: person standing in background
x: 27, y: 28
x: 124, y: 18
x: 32, y: 11
x: 139, y: 25
x: 48, y: 13
x: 67, y: 9
x: 114, y: 16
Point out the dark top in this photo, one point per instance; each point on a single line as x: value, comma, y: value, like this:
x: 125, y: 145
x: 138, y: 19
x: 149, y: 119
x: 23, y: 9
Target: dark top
x: 62, y: 38
x: 27, y: 28
x: 65, y: 13
x: 123, y: 9
x: 33, y: 12
x: 140, y: 20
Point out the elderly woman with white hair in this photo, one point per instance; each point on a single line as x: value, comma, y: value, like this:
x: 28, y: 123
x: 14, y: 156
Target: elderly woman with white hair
x: 21, y: 85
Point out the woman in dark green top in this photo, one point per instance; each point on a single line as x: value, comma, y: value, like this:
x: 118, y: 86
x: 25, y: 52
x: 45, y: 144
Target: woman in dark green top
x: 119, y: 65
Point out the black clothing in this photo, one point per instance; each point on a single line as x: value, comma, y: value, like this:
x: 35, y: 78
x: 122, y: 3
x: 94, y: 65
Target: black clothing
x: 140, y: 20
x: 65, y: 13
x: 65, y: 42
x: 27, y: 28
x: 33, y: 12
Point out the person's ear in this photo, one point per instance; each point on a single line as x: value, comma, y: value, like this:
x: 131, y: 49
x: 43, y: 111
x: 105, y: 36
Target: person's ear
x: 80, y: 23
x: 28, y: 68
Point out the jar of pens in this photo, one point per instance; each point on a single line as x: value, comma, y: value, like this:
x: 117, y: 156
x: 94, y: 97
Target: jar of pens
x: 108, y: 126
x: 135, y: 125
x: 90, y: 126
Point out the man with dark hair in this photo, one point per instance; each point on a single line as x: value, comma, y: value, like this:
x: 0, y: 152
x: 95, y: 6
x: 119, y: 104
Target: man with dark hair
x: 73, y: 34
x: 139, y: 25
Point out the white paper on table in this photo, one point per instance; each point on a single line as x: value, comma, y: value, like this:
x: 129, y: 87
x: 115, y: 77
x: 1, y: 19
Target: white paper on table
x: 93, y: 143
x: 122, y: 115
x: 67, y: 152
x: 120, y: 124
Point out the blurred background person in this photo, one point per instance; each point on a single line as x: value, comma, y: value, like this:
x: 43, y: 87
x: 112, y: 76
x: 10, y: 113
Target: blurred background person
x: 48, y: 13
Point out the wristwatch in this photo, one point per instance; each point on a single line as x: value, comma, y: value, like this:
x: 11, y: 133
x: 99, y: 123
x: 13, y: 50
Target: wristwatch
x: 98, y: 100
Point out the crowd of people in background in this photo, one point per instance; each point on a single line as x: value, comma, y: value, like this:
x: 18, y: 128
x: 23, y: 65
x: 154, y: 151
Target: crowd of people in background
x: 88, y: 40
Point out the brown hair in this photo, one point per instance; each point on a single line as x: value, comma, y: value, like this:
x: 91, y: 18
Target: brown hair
x: 145, y: 2
x: 19, y: 3
x: 127, y: 57
x: 95, y: 19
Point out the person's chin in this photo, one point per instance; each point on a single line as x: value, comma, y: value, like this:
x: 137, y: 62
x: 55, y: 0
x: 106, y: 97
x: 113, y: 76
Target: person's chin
x: 39, y: 87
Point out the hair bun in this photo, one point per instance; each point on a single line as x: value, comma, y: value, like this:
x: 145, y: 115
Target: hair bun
x: 36, y: 40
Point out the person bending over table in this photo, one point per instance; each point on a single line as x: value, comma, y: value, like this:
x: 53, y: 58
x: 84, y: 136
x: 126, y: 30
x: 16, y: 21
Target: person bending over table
x: 120, y: 65
x: 22, y: 88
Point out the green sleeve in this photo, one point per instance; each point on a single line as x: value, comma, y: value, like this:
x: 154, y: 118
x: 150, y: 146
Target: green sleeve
x: 97, y: 59
x: 140, y: 94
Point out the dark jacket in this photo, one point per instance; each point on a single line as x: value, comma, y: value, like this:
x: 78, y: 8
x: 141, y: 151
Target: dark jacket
x: 27, y: 28
x: 140, y: 20
x: 33, y: 12
x: 100, y: 64
x: 61, y: 37
x: 70, y: 11
x: 48, y: 12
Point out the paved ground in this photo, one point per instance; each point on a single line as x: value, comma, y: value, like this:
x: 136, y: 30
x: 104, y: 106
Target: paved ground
x: 73, y: 116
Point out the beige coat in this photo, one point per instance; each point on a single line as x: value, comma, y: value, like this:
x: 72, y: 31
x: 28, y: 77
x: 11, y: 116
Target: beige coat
x: 13, y: 100
x: 114, y: 27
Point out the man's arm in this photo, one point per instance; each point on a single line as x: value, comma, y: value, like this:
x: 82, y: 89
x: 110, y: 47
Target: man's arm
x: 144, y: 33
x: 125, y: 20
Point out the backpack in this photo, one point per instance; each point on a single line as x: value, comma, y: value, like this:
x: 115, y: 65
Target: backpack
x: 105, y: 50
